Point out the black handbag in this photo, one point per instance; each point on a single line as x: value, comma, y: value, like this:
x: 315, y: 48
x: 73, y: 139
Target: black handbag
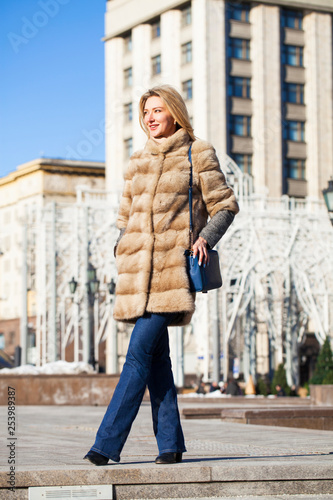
x: 202, y: 279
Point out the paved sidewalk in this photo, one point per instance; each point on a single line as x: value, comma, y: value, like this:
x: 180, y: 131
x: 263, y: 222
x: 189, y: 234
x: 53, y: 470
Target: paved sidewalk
x: 224, y: 460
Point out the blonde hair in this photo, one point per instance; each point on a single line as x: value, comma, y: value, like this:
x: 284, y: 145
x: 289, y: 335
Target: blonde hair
x: 173, y: 102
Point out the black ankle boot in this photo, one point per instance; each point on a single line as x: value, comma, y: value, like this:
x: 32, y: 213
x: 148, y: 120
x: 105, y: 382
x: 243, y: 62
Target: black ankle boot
x: 96, y: 458
x: 169, y: 458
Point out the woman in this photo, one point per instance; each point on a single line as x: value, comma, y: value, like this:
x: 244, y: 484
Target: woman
x: 153, y: 286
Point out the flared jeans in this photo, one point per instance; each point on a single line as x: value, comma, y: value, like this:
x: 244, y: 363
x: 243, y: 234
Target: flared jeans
x: 147, y: 364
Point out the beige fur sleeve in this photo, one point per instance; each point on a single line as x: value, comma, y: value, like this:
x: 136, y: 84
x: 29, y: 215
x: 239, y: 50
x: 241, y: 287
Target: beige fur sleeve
x: 216, y: 194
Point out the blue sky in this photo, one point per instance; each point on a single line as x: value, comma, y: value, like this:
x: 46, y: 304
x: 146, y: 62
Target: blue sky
x: 52, y: 80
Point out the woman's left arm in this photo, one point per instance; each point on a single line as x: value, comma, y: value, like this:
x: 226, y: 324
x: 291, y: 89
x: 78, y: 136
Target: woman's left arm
x: 218, y: 197
x: 216, y: 227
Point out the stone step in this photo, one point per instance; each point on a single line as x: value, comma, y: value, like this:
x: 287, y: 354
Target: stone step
x: 186, y: 480
x: 244, y: 400
x: 320, y: 418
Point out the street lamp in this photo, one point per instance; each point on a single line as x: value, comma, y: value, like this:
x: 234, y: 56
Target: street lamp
x: 111, y: 287
x: 328, y: 197
x: 93, y: 283
x: 72, y: 286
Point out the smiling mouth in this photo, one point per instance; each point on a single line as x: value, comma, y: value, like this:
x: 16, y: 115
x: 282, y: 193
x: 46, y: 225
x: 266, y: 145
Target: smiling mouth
x: 153, y: 127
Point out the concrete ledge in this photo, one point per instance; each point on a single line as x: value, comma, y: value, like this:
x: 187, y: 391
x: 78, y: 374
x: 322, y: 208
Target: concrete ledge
x: 246, y: 401
x: 192, y: 413
x: 321, y: 395
x: 213, y: 490
x: 307, y: 418
x: 184, y: 481
x: 74, y: 390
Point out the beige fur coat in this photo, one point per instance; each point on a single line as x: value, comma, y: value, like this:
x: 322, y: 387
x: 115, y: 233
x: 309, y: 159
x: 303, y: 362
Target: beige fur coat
x: 154, y: 211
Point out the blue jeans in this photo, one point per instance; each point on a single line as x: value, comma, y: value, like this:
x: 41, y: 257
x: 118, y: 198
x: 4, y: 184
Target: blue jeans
x: 147, y: 363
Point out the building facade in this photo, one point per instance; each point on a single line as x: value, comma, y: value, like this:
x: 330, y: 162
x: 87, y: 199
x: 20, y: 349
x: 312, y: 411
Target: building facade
x: 256, y: 77
x: 32, y: 187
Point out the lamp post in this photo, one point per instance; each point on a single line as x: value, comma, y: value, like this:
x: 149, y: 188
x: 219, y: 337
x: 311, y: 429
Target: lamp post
x: 328, y: 197
x: 92, y: 288
x: 111, y: 339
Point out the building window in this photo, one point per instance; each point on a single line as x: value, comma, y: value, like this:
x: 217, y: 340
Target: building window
x: 239, y: 48
x: 128, y: 112
x: 238, y: 11
x: 128, y: 43
x: 294, y: 131
x: 292, y: 19
x: 186, y: 16
x: 128, y: 144
x: 156, y: 65
x: 2, y: 340
x: 295, y: 168
x: 187, y: 53
x: 128, y: 77
x: 292, y: 55
x: 293, y: 92
x: 156, y: 29
x: 240, y: 125
x: 244, y: 162
x: 239, y: 87
x: 187, y: 90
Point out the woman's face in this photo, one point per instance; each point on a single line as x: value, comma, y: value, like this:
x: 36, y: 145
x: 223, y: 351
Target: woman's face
x: 158, y: 119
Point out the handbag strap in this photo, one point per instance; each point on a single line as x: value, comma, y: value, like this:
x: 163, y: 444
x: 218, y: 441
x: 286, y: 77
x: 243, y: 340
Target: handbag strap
x: 190, y: 200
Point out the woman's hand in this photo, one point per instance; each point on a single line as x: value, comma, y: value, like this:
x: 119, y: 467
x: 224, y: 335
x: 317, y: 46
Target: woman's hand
x: 200, y: 247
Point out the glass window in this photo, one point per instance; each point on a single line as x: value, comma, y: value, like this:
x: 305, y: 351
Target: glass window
x: 295, y: 168
x: 292, y: 55
x: 187, y: 89
x: 244, y: 162
x: 128, y: 43
x: 156, y: 65
x: 187, y: 16
x: 128, y: 143
x: 187, y: 53
x: 156, y: 29
x: 240, y: 125
x: 294, y: 131
x: 292, y: 19
x: 128, y: 81
x: 128, y: 112
x: 293, y: 92
x: 239, y: 11
x: 239, y: 87
x: 239, y: 48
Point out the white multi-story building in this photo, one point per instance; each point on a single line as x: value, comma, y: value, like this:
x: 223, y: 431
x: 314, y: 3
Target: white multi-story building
x: 256, y: 76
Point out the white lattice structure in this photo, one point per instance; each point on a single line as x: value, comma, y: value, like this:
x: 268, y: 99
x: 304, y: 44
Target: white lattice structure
x: 277, y: 262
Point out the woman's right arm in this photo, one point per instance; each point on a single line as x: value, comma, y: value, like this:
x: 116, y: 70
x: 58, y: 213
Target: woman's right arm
x: 124, y: 207
x: 117, y: 242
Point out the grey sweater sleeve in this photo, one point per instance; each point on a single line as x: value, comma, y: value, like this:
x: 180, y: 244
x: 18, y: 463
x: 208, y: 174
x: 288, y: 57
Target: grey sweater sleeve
x: 216, y: 227
x: 118, y: 239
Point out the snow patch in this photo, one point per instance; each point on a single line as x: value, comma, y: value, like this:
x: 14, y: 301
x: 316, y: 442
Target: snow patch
x: 54, y: 368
